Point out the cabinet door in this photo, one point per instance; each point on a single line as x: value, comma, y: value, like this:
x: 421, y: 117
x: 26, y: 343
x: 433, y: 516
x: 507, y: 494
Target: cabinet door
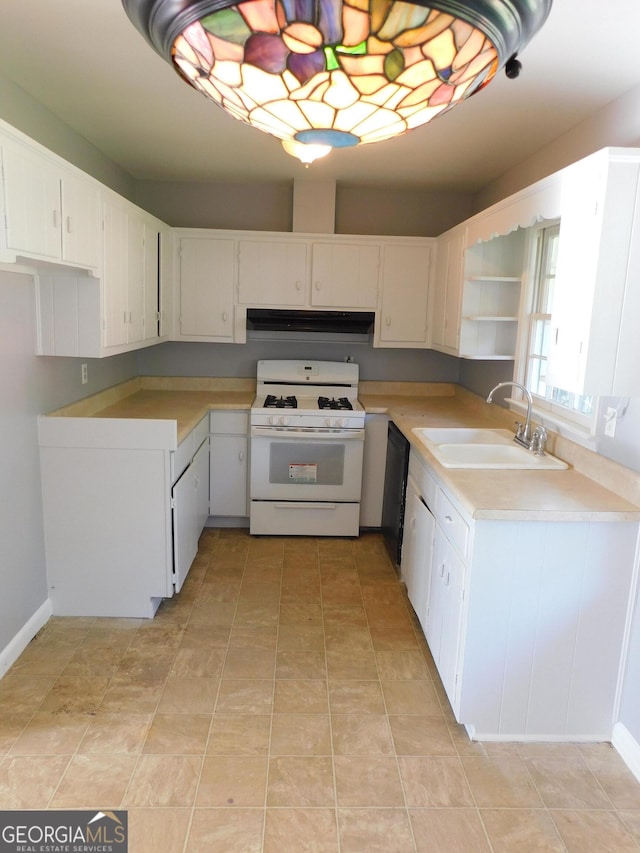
x: 115, y: 273
x: 206, y: 288
x: 405, y: 291
x: 443, y: 626
x: 32, y: 202
x: 185, y: 525
x: 418, y: 558
x: 80, y: 220
x: 228, y: 475
x: 201, y: 470
x: 344, y: 275
x: 135, y: 279
x: 272, y: 272
x: 447, y: 297
x: 151, y: 281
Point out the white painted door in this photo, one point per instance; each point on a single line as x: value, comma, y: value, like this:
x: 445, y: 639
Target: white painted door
x: 344, y: 275
x: 405, y: 292
x: 272, y: 272
x: 206, y: 288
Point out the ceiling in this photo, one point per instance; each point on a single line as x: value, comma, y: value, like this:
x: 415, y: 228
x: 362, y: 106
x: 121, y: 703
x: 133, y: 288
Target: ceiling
x: 85, y: 61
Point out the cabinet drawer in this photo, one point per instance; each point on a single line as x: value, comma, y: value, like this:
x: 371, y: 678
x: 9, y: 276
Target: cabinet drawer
x: 427, y: 487
x: 452, y: 523
x: 199, y: 433
x: 235, y: 423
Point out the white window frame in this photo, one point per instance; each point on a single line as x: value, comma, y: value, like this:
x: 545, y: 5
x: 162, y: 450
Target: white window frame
x: 568, y: 422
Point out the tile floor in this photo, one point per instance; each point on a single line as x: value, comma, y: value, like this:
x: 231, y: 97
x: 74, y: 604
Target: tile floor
x: 286, y: 702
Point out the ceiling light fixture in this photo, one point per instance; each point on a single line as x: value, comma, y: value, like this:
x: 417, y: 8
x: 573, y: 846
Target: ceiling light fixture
x: 324, y: 74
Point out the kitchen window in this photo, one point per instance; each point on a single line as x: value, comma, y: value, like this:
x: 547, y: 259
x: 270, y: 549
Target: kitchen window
x: 576, y: 408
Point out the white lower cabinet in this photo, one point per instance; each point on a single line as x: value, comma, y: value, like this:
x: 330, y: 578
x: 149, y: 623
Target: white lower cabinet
x: 229, y: 464
x: 525, y: 619
x: 123, y: 508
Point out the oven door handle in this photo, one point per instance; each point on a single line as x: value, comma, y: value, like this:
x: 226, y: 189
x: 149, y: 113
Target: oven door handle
x: 311, y: 434
x: 303, y: 505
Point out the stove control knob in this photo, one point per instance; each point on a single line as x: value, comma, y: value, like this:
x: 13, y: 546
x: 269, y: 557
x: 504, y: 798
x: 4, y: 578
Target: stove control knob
x: 284, y: 421
x: 273, y: 420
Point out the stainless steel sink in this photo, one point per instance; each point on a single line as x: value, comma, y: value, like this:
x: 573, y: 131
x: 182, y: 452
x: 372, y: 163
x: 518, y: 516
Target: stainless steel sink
x: 482, y: 448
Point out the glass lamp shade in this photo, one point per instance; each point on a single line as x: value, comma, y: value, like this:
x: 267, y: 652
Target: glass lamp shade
x: 337, y: 73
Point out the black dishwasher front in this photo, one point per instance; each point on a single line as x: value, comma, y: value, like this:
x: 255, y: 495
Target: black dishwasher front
x: 395, y: 487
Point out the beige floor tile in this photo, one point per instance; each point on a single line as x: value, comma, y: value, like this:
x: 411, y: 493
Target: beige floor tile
x: 296, y: 781
x: 359, y: 665
x: 233, y: 780
x: 44, y: 658
x: 567, y: 783
x: 344, y: 614
x: 116, y: 733
x: 29, y: 781
x: 257, y: 613
x: 309, y: 613
x: 94, y: 661
x: 300, y: 831
x: 94, y: 781
x: 71, y: 695
x: 49, y: 733
x: 375, y: 831
x: 498, y: 782
x: 226, y: 831
x: 348, y: 638
x: 342, y: 593
x: 301, y: 637
x: 300, y: 696
x: 245, y: 696
x: 421, y: 735
x: 11, y: 727
x: 249, y: 663
x: 239, y: 734
x: 434, y: 782
x: 449, y: 831
x: 300, y: 734
x: 356, y: 697
x: 393, y: 638
x: 206, y: 634
x: 155, y: 830
x: 301, y: 665
x: 164, y: 780
x: 521, y: 829
x: 189, y: 696
x: 361, y: 734
x: 178, y: 734
x: 401, y: 666
x: 618, y: 782
x: 131, y: 695
x: 411, y: 697
x: 593, y: 832
x: 146, y: 664
x: 23, y: 694
x: 197, y: 663
x: 371, y: 781
x: 631, y: 819
x: 250, y: 637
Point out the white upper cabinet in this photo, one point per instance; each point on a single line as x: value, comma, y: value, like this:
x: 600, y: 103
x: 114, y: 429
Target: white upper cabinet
x: 272, y: 272
x: 402, y: 318
x: 345, y: 275
x: 51, y: 212
x: 595, y: 347
x: 205, y: 310
x: 447, y: 291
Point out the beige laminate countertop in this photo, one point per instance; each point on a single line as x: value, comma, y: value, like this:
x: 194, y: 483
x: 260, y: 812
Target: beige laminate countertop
x: 523, y: 495
x: 592, y: 489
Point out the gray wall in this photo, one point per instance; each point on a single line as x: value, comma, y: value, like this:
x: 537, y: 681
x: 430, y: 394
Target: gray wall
x: 28, y: 386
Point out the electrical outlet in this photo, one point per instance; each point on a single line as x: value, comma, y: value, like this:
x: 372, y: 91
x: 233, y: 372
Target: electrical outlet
x: 610, y: 418
x: 84, y: 373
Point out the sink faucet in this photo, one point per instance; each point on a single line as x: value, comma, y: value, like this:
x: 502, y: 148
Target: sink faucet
x: 522, y: 435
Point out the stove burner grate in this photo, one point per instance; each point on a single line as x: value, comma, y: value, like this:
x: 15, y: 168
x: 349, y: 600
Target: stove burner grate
x: 273, y: 402
x: 341, y: 403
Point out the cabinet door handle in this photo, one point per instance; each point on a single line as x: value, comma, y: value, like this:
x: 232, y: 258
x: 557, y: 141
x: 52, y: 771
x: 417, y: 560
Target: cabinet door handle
x: 387, y: 322
x: 441, y: 570
x: 55, y: 218
x: 298, y: 285
x: 448, y: 578
x: 318, y: 285
x: 69, y: 225
x: 224, y: 316
x: 448, y: 519
x: 241, y: 456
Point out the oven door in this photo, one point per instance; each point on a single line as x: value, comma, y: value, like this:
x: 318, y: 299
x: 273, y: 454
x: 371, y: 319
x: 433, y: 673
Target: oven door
x: 306, y: 465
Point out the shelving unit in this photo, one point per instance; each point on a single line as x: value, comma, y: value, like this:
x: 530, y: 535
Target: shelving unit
x: 491, y: 296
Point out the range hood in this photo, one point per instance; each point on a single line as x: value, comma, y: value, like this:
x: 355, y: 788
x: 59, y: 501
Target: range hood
x: 278, y: 324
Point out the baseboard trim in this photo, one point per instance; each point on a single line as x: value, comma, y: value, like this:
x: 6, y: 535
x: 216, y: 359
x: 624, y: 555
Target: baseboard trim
x: 628, y: 748
x: 12, y: 651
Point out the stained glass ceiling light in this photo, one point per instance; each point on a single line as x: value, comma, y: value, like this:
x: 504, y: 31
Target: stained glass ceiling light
x: 323, y: 74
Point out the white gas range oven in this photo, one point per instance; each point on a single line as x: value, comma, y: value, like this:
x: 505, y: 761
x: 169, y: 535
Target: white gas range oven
x: 307, y: 446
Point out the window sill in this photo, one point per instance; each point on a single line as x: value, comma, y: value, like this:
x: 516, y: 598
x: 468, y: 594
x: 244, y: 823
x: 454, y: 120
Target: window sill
x: 550, y: 420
